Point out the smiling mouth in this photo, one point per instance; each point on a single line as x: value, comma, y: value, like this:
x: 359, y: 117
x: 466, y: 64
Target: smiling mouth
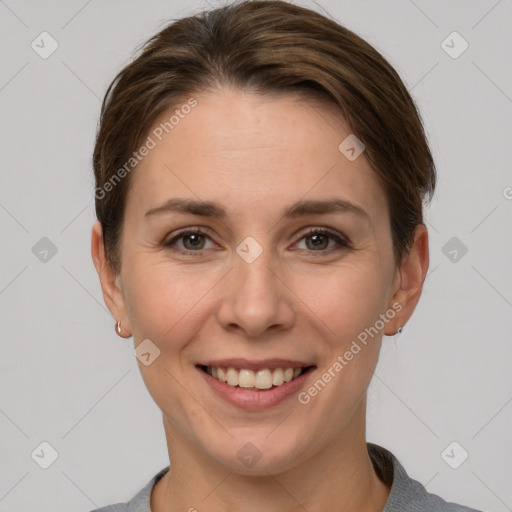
x: 255, y: 380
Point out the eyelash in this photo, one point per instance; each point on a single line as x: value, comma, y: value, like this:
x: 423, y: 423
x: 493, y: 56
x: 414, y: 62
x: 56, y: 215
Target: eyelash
x: 340, y: 241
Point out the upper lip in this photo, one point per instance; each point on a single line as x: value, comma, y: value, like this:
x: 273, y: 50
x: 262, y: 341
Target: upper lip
x: 255, y: 364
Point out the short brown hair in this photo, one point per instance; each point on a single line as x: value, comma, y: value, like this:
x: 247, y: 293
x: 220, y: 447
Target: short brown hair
x: 267, y: 47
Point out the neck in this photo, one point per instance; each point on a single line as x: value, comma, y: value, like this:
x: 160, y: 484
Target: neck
x: 341, y: 474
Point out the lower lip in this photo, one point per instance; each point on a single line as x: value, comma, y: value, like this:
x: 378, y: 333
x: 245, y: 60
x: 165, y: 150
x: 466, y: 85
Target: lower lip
x: 248, y: 399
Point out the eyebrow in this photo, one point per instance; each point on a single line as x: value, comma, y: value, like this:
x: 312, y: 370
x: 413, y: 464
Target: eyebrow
x: 191, y: 206
x: 299, y: 209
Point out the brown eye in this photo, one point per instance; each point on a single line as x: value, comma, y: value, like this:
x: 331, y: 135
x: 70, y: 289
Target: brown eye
x: 190, y: 241
x: 318, y: 241
x: 193, y: 241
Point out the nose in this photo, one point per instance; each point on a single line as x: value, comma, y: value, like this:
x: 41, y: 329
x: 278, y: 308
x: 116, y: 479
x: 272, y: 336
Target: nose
x: 255, y: 299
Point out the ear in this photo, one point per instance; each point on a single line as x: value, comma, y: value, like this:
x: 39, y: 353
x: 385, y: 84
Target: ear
x: 409, y: 281
x: 110, y: 281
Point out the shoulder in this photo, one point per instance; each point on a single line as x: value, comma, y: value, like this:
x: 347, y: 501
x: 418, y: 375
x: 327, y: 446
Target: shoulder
x: 140, y: 502
x: 407, y: 494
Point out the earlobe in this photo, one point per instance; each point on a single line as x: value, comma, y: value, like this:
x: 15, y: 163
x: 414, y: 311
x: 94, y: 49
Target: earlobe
x: 109, y: 280
x: 411, y: 276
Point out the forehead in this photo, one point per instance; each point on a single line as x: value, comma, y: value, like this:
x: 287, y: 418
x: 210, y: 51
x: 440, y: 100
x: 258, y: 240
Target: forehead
x: 246, y: 150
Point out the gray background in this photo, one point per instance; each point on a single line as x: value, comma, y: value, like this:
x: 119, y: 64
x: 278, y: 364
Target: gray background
x: 67, y: 379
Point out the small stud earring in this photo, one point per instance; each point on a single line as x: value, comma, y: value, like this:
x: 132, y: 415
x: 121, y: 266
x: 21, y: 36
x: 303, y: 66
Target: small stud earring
x: 118, y: 327
x: 399, y: 330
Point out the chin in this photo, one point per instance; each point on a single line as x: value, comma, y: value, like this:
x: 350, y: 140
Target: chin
x: 259, y: 456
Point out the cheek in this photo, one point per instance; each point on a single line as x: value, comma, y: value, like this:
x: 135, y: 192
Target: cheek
x: 151, y: 297
x: 348, y: 302
x: 167, y: 306
x: 346, y: 299
x: 164, y: 302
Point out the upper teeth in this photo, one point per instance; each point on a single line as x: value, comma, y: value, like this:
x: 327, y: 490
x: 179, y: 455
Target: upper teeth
x: 260, y: 379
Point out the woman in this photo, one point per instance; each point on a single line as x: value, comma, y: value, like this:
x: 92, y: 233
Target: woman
x: 260, y: 178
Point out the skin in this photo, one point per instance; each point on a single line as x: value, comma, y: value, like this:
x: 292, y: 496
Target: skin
x: 256, y: 156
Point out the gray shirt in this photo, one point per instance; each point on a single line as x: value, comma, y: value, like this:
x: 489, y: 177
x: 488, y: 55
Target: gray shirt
x: 406, y: 495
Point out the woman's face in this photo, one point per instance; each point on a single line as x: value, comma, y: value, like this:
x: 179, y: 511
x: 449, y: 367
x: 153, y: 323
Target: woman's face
x: 249, y: 288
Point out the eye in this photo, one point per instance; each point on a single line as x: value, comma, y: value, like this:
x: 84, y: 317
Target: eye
x: 191, y: 240
x: 321, y: 240
x: 194, y: 240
